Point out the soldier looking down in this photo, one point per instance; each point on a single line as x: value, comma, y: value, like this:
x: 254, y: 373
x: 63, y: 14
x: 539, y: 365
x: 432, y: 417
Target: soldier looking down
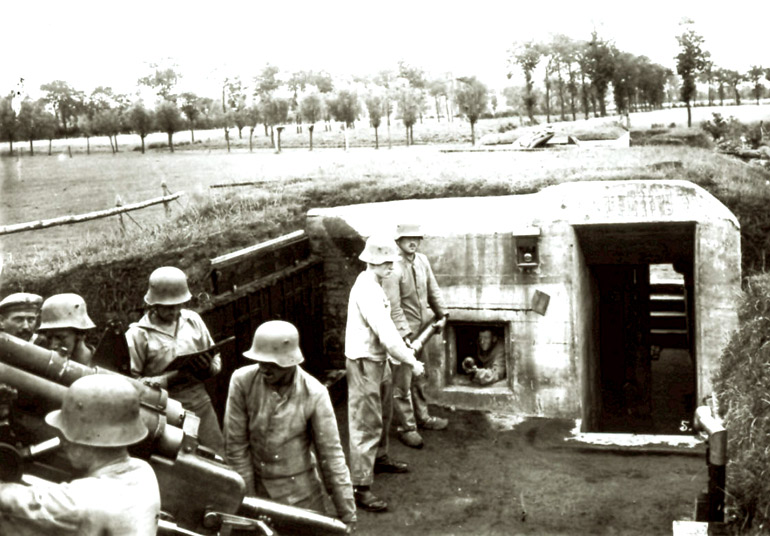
x: 167, y: 331
x: 370, y: 336
x: 415, y: 297
x: 117, y: 494
x: 277, y: 417
x: 19, y: 314
x: 64, y: 323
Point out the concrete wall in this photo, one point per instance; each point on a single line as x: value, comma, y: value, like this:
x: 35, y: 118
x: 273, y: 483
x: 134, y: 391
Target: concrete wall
x: 470, y: 242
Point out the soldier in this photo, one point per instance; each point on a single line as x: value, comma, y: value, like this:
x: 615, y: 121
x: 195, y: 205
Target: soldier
x: 166, y: 331
x: 64, y: 323
x: 116, y: 495
x: 370, y: 336
x: 19, y: 314
x: 277, y: 417
x: 489, y: 364
x: 413, y: 293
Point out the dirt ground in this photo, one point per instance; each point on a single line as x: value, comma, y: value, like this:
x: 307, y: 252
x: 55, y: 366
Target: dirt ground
x: 481, y: 477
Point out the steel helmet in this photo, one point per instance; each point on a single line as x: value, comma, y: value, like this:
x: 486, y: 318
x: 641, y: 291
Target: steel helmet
x: 168, y: 286
x: 20, y: 301
x: 100, y: 410
x: 379, y: 249
x: 276, y: 342
x: 65, y: 311
x: 409, y: 229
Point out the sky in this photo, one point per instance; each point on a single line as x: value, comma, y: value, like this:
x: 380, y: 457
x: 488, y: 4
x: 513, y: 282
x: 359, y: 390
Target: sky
x: 91, y: 43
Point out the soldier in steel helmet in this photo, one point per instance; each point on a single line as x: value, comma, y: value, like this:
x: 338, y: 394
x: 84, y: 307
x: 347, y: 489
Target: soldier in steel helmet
x: 64, y: 323
x: 370, y: 336
x: 19, y: 314
x: 415, y: 297
x: 277, y: 417
x: 115, y: 494
x: 168, y: 330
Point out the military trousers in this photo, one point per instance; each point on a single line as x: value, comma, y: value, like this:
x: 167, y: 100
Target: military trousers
x: 409, y: 404
x: 370, y: 411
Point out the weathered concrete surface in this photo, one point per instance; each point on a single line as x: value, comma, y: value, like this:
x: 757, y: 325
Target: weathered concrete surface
x: 551, y: 359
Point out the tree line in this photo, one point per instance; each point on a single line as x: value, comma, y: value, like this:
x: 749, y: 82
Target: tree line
x: 303, y: 98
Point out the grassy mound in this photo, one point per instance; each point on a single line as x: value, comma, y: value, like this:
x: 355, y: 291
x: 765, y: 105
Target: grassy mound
x: 742, y: 384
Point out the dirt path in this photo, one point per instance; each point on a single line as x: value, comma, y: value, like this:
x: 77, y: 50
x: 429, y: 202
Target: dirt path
x: 477, y: 478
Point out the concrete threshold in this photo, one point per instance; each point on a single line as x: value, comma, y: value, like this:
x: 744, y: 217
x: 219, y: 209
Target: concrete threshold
x: 631, y: 444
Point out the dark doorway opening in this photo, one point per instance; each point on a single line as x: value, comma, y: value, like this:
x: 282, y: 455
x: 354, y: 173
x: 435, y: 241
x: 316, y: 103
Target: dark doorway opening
x: 643, y: 367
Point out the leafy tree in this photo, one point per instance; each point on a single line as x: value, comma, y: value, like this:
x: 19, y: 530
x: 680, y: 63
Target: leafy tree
x: 311, y: 108
x: 386, y: 79
x: 189, y: 105
x: 526, y: 56
x: 438, y: 89
x: 689, y: 62
x: 107, y: 122
x: 734, y: 79
x: 754, y: 76
x: 140, y: 120
x: 323, y: 81
x: 274, y: 111
x: 8, y: 125
x: 600, y: 64
x: 374, y: 107
x: 722, y: 81
x: 414, y: 75
x: 161, y: 79
x: 252, y: 117
x: 267, y: 81
x: 707, y: 76
x: 345, y: 107
x: 472, y: 98
x: 409, y: 101
x: 624, y: 81
x: 169, y: 120
x: 66, y: 100
x: 33, y: 120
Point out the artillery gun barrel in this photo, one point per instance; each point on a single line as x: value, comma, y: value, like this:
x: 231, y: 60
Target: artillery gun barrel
x: 425, y: 335
x: 49, y: 365
x: 287, y: 520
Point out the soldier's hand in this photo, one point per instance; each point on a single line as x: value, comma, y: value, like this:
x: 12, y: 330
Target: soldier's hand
x: 200, y: 363
x: 350, y: 527
x: 418, y: 369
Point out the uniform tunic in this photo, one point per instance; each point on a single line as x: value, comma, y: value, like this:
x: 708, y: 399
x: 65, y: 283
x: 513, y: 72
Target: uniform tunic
x: 413, y: 293
x: 370, y: 336
x: 271, y: 436
x: 152, y: 349
x: 119, y: 499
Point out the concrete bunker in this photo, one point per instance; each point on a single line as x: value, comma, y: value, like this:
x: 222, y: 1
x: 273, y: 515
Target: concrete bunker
x: 637, y: 281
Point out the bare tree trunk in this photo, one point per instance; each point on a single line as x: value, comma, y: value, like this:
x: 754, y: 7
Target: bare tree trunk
x: 112, y: 147
x: 407, y: 136
x: 240, y: 133
x: 310, y: 129
x: 411, y: 134
x: 251, y: 136
x: 227, y: 138
x: 390, y: 145
x: 192, y: 135
x: 272, y: 136
x: 376, y: 139
x: 689, y: 115
x: 31, y: 149
x: 473, y: 133
x: 50, y: 146
x: 116, y: 142
x: 142, y: 137
x: 171, y: 141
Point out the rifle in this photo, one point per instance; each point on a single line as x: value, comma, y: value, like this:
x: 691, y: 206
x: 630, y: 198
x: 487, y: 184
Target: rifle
x: 199, y: 493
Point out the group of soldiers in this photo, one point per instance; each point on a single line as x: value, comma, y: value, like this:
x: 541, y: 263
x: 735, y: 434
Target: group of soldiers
x: 279, y: 432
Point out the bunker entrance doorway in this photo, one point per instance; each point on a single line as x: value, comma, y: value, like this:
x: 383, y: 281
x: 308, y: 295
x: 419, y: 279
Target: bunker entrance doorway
x: 640, y: 368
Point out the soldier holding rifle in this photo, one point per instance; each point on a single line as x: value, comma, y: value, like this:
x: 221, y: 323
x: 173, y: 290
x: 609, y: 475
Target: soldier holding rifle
x: 168, y: 331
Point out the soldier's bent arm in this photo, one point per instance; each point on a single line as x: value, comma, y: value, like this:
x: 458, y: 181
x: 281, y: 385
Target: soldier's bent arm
x: 377, y: 316
x: 331, y: 458
x: 51, y: 509
x: 236, y: 432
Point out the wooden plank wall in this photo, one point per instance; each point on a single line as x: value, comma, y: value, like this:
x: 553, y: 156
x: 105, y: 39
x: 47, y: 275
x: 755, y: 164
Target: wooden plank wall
x: 293, y: 293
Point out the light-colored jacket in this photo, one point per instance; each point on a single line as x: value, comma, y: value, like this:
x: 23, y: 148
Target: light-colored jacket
x: 119, y: 499
x: 413, y: 293
x: 152, y: 349
x: 271, y: 436
x: 370, y: 332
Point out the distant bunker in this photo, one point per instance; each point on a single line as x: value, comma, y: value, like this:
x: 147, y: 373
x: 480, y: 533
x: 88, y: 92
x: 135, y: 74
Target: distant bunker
x: 614, y: 299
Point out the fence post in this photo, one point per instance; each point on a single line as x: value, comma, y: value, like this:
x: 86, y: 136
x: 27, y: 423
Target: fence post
x: 118, y: 204
x: 716, y: 460
x: 165, y: 193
